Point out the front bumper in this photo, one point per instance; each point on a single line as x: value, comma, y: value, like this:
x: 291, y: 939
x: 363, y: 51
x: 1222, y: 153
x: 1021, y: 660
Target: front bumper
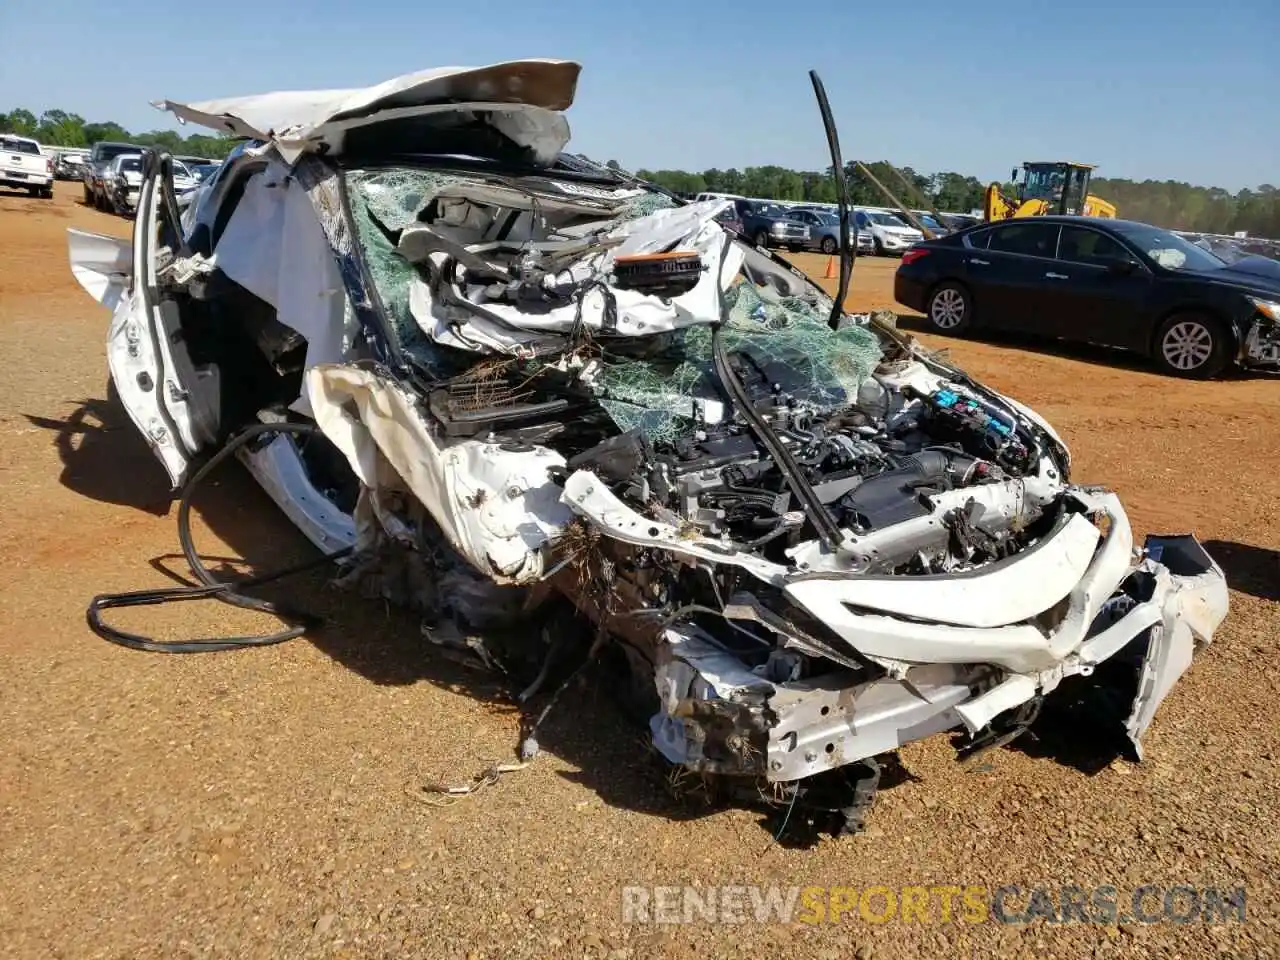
x: 21, y: 179
x: 125, y: 198
x: 1261, y: 346
x: 720, y: 718
x: 896, y: 244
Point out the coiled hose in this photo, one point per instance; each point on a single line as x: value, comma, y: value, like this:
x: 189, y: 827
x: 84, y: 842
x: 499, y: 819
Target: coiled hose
x: 210, y: 587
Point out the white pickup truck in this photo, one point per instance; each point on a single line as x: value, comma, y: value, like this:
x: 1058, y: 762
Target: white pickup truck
x: 24, y: 165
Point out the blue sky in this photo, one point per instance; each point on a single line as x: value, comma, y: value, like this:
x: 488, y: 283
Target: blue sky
x: 1183, y: 91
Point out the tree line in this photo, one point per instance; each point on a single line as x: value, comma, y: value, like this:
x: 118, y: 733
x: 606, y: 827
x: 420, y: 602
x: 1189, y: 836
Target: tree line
x: 1166, y: 203
x: 58, y: 128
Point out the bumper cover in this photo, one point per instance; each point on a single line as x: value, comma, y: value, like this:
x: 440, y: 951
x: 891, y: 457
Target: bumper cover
x: 19, y: 178
x: 720, y: 718
x: 1261, y: 347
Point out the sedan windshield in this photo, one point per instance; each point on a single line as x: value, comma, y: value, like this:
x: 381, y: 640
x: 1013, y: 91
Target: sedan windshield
x: 131, y: 165
x: 1170, y: 250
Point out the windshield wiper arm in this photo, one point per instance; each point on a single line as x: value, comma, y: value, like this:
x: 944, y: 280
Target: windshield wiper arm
x: 842, y: 195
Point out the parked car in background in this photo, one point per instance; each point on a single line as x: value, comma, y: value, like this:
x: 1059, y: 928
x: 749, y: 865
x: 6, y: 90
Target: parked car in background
x: 889, y: 234
x: 767, y: 225
x: 122, y: 181
x: 69, y: 164
x: 728, y: 218
x: 184, y: 181
x: 824, y: 230
x: 195, y: 161
x: 1112, y: 282
x: 932, y: 224
x: 24, y: 166
x: 95, y: 170
x: 203, y: 171
x: 125, y: 177
x: 961, y: 221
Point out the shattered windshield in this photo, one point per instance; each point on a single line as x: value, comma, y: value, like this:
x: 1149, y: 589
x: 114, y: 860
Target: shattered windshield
x: 511, y: 229
x: 781, y: 343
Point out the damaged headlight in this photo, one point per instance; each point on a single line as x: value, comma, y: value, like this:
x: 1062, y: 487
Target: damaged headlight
x: 1268, y: 308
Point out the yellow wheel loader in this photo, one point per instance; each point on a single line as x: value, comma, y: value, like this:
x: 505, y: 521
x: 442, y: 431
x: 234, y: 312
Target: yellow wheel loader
x: 1048, y: 187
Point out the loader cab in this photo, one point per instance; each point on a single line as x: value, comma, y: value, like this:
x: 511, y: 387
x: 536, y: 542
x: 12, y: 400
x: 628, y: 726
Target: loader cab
x: 1062, y: 186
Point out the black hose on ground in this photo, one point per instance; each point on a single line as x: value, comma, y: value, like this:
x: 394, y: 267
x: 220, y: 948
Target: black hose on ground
x: 210, y: 587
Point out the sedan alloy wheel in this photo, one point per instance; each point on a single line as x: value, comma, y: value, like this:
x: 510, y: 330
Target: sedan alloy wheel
x: 949, y: 308
x: 1187, y: 345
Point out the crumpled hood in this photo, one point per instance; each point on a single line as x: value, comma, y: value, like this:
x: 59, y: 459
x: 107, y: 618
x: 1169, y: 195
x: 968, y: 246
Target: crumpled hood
x: 523, y: 99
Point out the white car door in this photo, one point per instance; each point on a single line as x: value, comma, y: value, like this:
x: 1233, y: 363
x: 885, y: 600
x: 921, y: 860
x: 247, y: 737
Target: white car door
x: 172, y: 401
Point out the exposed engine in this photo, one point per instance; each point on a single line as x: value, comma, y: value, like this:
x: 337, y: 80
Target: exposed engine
x: 874, y: 464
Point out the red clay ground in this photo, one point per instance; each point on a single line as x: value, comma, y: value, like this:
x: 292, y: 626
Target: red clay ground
x: 252, y: 804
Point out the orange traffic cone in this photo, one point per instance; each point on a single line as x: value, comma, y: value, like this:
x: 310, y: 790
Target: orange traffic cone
x: 831, y: 269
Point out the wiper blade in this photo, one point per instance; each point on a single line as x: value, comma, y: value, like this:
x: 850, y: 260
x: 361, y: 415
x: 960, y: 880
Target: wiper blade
x: 848, y: 234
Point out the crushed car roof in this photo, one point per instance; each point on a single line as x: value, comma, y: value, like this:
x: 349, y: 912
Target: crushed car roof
x: 523, y: 98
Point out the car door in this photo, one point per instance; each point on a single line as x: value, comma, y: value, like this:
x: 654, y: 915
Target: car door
x: 172, y: 401
x: 1006, y: 266
x: 1100, y: 289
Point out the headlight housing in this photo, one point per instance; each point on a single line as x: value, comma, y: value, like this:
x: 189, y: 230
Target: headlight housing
x: 1268, y: 308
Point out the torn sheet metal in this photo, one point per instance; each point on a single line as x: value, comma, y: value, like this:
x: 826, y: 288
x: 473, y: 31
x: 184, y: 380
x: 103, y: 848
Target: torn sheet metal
x: 496, y: 504
x: 524, y: 98
x: 601, y: 309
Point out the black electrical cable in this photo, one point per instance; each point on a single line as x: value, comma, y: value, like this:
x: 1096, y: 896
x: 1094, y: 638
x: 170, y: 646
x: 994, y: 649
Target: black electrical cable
x: 210, y: 587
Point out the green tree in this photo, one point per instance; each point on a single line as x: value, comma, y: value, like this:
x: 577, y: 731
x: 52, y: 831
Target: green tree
x: 105, y: 131
x: 20, y: 121
x: 61, y: 128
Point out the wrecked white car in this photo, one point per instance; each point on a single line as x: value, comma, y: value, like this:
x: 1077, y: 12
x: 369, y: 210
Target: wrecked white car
x: 813, y: 541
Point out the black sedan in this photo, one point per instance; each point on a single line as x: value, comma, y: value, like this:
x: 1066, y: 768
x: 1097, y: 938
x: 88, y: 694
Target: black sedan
x: 1111, y: 282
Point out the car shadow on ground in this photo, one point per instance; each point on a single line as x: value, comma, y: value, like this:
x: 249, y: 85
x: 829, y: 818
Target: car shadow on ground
x: 1084, y: 352
x: 596, y: 725
x: 104, y: 458
x: 1249, y: 569
x: 17, y: 192
x: 1080, y: 727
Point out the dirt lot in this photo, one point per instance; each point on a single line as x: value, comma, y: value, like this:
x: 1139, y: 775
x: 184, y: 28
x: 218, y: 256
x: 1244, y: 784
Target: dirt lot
x: 253, y: 804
